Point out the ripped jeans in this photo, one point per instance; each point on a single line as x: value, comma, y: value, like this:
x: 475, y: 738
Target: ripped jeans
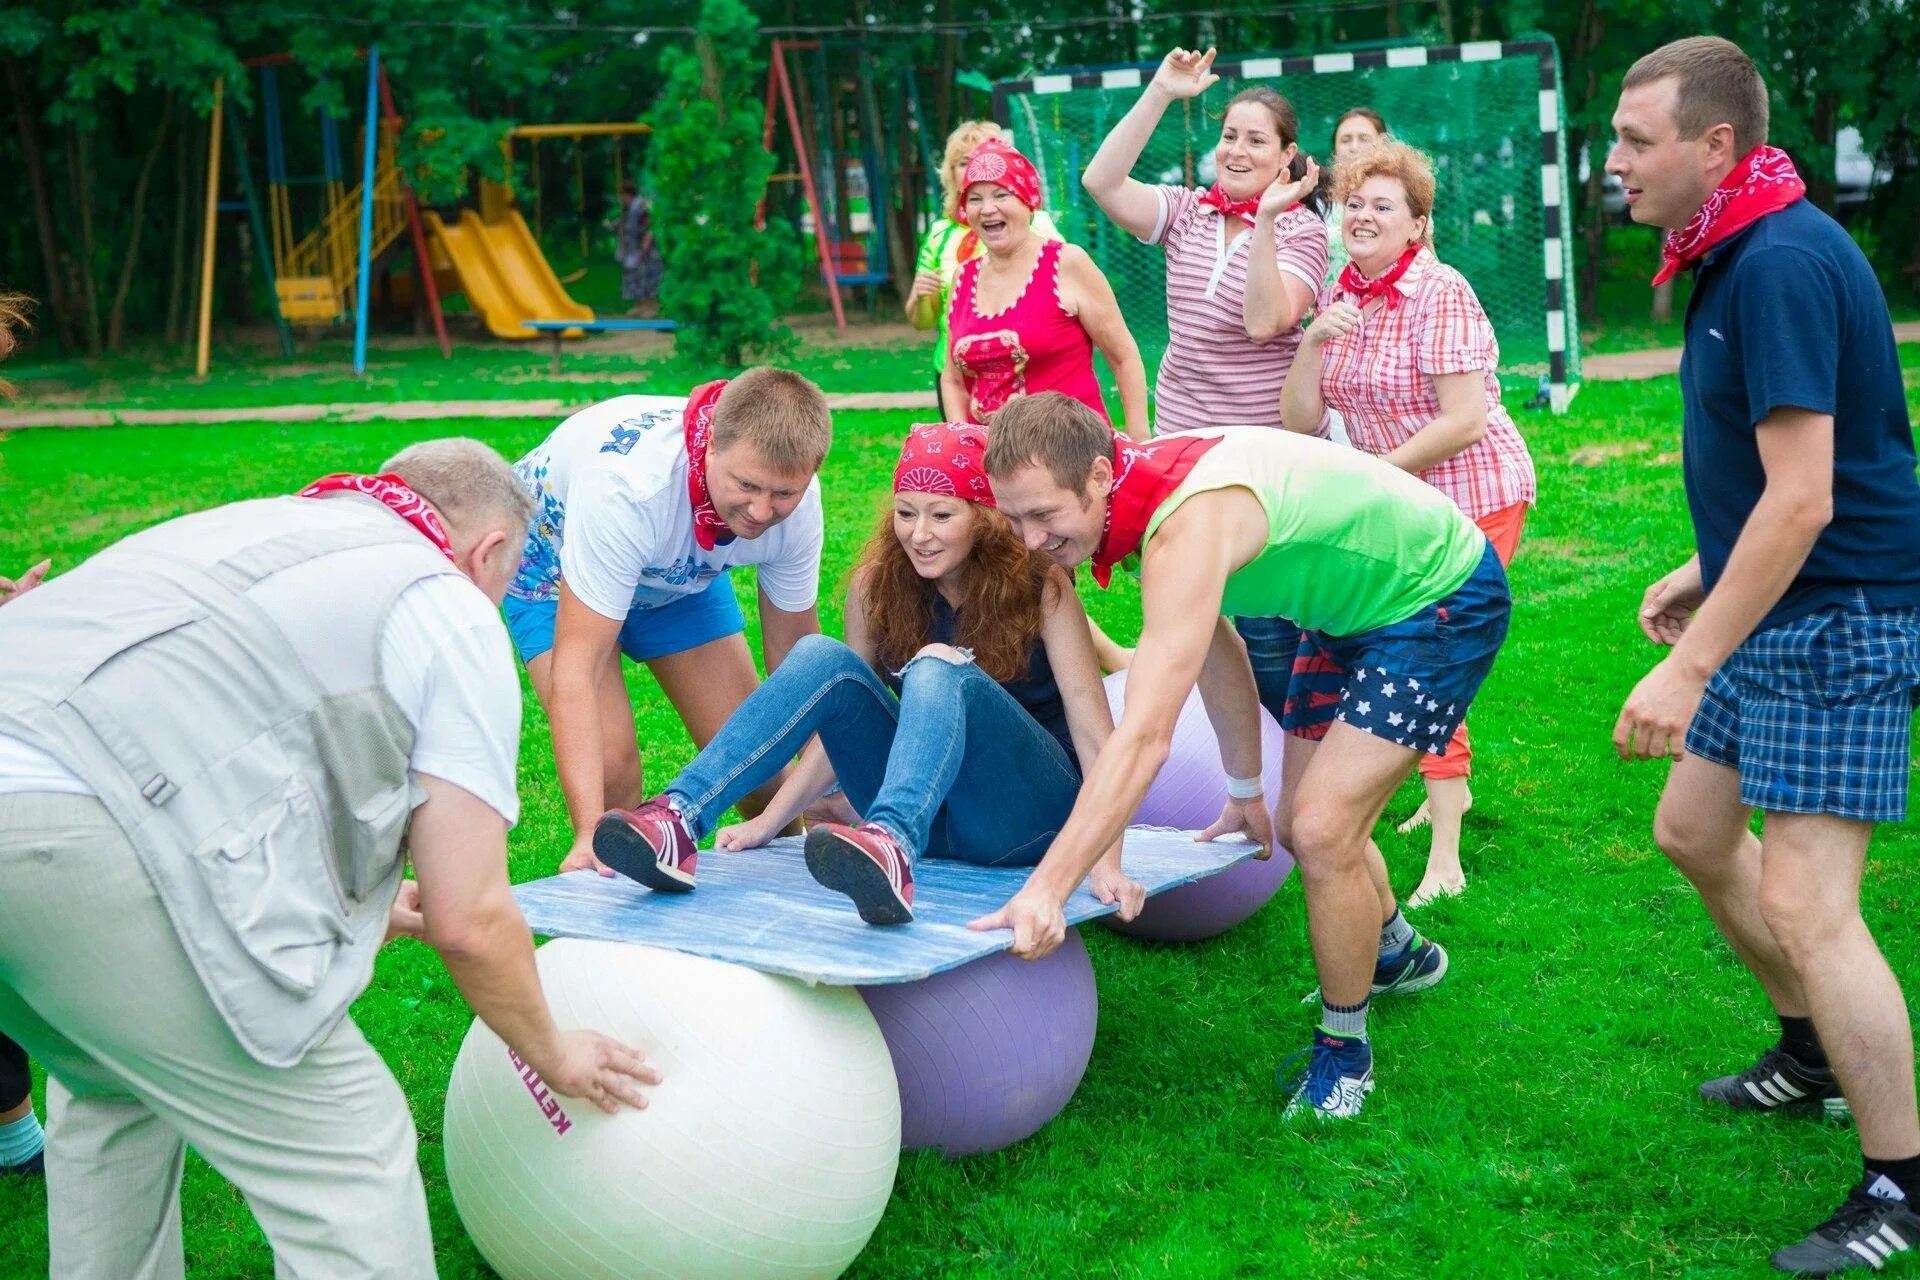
x: 953, y: 767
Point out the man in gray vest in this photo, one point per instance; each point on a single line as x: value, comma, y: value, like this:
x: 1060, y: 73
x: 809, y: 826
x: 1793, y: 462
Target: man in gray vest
x: 215, y: 737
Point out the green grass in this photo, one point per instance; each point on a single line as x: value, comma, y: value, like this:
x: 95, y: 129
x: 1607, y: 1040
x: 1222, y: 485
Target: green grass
x: 1536, y: 1113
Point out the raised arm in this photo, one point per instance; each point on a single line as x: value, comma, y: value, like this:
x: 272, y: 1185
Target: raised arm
x: 1276, y: 299
x: 1135, y: 206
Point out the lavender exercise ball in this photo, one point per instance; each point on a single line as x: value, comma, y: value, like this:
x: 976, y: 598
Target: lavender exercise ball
x: 987, y: 1053
x: 1188, y: 794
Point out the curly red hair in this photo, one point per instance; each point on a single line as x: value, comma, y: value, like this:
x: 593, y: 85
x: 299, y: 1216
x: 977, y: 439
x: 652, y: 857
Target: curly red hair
x: 1001, y: 610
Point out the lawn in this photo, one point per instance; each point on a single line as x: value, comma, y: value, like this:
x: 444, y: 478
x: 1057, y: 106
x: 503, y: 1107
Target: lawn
x: 1536, y: 1113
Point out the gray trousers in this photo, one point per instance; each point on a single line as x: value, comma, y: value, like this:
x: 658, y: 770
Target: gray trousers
x: 95, y: 985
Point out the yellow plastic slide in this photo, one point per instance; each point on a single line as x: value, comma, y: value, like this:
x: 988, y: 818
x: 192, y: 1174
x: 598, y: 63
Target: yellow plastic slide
x: 503, y: 273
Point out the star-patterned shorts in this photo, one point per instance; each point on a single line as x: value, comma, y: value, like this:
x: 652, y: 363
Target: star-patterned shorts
x: 1410, y: 682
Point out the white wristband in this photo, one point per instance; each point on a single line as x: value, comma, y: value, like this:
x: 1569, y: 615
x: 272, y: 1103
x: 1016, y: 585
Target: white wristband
x: 1246, y: 788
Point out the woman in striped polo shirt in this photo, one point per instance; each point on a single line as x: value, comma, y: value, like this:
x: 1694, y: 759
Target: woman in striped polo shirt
x: 1402, y: 349
x: 1244, y: 256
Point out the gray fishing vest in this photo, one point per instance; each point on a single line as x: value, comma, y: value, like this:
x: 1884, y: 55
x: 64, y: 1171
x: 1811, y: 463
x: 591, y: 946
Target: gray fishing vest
x: 215, y: 680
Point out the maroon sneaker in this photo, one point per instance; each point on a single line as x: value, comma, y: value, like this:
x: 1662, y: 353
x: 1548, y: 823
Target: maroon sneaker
x: 650, y: 845
x: 867, y: 865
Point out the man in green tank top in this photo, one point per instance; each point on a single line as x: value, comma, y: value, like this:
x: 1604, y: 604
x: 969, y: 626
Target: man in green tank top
x: 1404, y: 604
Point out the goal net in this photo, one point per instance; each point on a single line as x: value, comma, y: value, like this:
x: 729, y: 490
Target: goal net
x: 1490, y: 114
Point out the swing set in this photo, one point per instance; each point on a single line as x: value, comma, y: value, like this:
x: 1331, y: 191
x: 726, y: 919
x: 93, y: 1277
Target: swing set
x: 860, y: 181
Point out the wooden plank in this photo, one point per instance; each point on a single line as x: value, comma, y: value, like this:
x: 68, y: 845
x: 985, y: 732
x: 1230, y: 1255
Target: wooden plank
x: 760, y: 908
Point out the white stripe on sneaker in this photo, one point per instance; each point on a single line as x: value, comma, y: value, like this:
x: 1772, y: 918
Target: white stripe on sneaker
x: 1872, y: 1258
x: 1786, y: 1086
x: 1765, y: 1100
x: 1899, y: 1241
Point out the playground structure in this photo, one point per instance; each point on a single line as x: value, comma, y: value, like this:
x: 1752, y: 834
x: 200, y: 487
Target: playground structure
x: 860, y: 181
x: 318, y: 277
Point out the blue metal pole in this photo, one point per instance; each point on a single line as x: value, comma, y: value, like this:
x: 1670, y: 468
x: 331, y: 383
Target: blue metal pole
x: 366, y: 214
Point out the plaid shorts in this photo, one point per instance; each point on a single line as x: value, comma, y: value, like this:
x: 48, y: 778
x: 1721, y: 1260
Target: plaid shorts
x: 1408, y: 683
x: 1816, y: 713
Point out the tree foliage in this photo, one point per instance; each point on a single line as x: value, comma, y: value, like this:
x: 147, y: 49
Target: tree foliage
x: 707, y: 172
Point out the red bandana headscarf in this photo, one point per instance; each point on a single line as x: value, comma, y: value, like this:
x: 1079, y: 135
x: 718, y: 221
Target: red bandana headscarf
x: 997, y: 162
x: 945, y: 458
x: 1215, y: 198
x: 1143, y: 476
x: 1363, y: 290
x: 709, y: 530
x: 396, y: 494
x: 1764, y: 182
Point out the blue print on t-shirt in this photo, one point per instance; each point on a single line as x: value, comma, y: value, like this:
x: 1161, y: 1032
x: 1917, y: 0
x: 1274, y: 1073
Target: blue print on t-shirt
x: 627, y: 433
x: 681, y: 572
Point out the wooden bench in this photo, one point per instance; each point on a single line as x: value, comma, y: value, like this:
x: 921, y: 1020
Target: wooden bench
x: 557, y: 329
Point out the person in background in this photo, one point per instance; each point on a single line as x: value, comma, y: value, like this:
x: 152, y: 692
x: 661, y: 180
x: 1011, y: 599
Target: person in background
x: 967, y: 665
x: 1353, y: 133
x: 1794, y: 631
x: 948, y: 241
x: 641, y: 267
x: 1028, y: 313
x: 1403, y: 351
x: 1244, y: 256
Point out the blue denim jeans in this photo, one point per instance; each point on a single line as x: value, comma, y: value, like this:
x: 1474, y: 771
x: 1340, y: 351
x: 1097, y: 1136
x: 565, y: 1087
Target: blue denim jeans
x: 1271, y: 644
x: 953, y: 767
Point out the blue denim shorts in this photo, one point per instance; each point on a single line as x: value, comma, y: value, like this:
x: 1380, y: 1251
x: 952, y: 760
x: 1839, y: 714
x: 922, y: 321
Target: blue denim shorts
x: 1409, y: 682
x: 1816, y: 713
x: 686, y: 623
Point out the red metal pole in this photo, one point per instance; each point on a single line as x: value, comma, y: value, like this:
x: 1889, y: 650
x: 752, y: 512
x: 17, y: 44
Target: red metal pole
x: 423, y: 265
x: 779, y: 70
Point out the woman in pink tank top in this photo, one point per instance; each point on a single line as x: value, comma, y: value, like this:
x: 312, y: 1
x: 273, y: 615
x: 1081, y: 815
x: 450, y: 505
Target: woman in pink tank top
x: 1028, y: 314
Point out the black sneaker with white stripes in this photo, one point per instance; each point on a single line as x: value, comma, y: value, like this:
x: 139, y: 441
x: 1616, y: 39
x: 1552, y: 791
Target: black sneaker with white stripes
x: 1779, y: 1082
x: 1864, y: 1234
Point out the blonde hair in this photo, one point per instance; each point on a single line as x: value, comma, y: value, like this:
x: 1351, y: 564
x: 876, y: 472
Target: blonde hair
x: 967, y: 135
x: 779, y: 413
x: 468, y: 482
x: 13, y: 315
x: 1390, y: 158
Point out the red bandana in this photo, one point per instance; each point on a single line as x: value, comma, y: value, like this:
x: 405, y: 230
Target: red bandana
x: 1143, y: 476
x: 1764, y: 182
x: 709, y: 530
x: 1363, y: 290
x: 994, y: 161
x: 1215, y: 198
x: 945, y: 458
x: 396, y: 494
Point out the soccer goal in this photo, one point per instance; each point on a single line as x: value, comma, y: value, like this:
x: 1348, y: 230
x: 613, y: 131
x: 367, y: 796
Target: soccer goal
x: 1490, y: 113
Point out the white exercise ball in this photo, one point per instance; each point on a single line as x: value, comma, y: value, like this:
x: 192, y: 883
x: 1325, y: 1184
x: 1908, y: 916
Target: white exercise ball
x: 768, y: 1150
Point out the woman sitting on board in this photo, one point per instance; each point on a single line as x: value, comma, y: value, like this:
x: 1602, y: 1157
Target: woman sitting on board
x: 958, y: 715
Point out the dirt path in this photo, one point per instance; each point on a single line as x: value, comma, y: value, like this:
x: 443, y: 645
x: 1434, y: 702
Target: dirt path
x: 1599, y: 368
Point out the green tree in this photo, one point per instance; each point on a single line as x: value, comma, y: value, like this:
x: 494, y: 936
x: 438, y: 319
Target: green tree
x: 708, y: 173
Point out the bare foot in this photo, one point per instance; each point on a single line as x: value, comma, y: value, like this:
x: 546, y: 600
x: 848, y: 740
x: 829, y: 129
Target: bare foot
x: 1423, y: 815
x: 1435, y: 886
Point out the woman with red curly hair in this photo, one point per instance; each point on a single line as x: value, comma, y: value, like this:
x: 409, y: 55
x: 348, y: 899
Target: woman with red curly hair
x: 958, y: 715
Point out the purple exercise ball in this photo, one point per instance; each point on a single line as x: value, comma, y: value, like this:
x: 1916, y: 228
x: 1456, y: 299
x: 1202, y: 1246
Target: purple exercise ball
x: 987, y: 1053
x: 1188, y: 794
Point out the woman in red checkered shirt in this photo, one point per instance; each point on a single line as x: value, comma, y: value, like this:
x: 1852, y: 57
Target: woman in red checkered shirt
x: 1403, y: 351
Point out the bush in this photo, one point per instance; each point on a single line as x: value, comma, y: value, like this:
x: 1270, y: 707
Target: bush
x: 708, y: 171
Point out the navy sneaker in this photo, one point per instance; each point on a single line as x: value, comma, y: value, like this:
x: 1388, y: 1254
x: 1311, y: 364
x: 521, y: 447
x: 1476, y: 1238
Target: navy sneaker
x: 1864, y: 1234
x: 35, y: 1167
x: 1779, y: 1082
x: 650, y: 845
x: 1332, y: 1083
x: 1418, y: 967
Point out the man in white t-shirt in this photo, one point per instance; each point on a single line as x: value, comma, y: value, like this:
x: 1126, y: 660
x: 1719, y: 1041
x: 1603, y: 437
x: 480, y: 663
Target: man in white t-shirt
x: 215, y: 736
x: 643, y: 503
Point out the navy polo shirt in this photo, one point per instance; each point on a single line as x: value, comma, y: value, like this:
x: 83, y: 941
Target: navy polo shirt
x: 1788, y: 314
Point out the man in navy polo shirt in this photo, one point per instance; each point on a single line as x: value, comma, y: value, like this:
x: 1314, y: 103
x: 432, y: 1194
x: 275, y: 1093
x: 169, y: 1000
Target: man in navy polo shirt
x: 1795, y: 630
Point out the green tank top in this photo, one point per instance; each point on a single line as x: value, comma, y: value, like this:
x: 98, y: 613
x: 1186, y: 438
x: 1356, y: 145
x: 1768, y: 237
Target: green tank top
x: 1353, y: 543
